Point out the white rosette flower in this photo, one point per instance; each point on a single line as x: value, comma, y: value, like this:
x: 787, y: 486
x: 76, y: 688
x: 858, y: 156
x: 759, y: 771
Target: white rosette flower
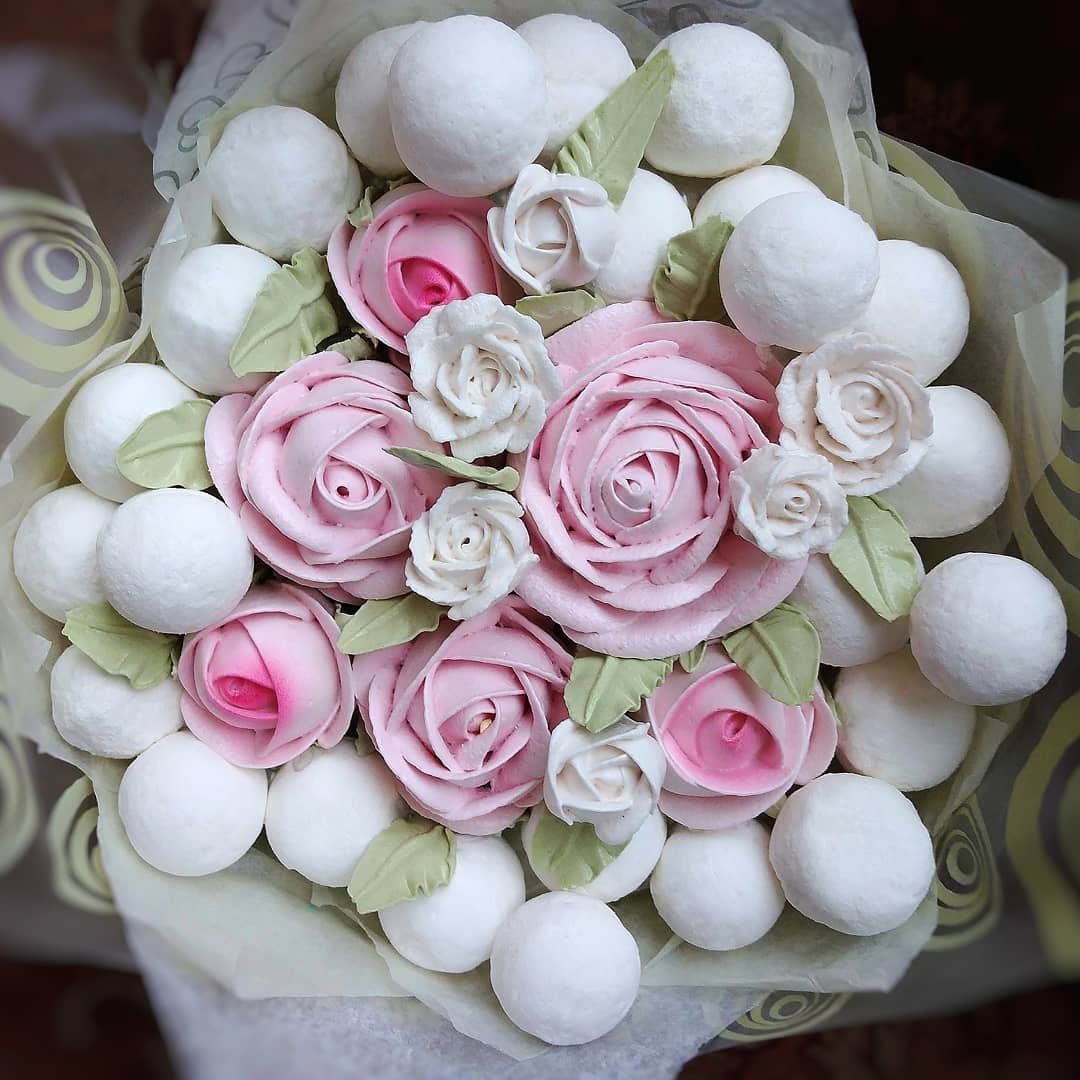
x: 787, y: 502
x: 611, y: 778
x: 556, y: 231
x: 482, y: 376
x: 855, y: 402
x: 469, y: 550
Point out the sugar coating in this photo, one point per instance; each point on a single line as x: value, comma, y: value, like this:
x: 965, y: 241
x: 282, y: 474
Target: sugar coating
x: 987, y: 629
x: 325, y: 807
x: 204, y: 310
x: 468, y: 105
x: 454, y: 928
x: 730, y: 102
x: 55, y: 552
x: 735, y: 196
x: 797, y: 269
x: 716, y: 889
x: 187, y: 811
x: 281, y: 180
x: 565, y: 969
x: 851, y: 853
x: 174, y: 561
x: 103, y: 714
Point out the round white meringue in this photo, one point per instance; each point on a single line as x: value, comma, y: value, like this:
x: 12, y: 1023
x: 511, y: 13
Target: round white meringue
x: 565, y: 969
x: 717, y: 889
x: 851, y: 853
x: 187, y: 811
x: 55, y: 552
x: 964, y: 475
x: 281, y: 180
x: 735, y: 196
x: 467, y: 105
x: 204, y: 310
x: 325, y: 807
x: 652, y: 213
x: 920, y: 306
x: 103, y: 714
x: 987, y: 629
x: 798, y: 268
x: 174, y: 561
x: 454, y: 928
x: 730, y: 102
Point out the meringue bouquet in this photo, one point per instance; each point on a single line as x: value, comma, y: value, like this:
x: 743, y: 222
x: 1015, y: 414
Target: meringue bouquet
x: 543, y: 541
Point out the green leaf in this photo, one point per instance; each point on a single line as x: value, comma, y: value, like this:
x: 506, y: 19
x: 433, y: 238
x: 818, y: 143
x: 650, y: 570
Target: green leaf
x: 410, y: 858
x: 505, y: 479
x: 558, y: 310
x: 603, y: 689
x: 357, y: 347
x: 690, y: 660
x: 780, y: 652
x: 686, y: 284
x: 291, y: 314
x: 572, y: 855
x: 876, y: 557
x: 143, y: 657
x: 382, y: 623
x: 363, y: 744
x: 608, y: 145
x: 361, y: 215
x: 166, y: 449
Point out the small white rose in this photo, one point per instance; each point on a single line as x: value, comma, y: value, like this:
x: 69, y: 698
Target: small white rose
x: 855, y: 402
x: 469, y: 550
x: 556, y: 231
x: 482, y: 376
x: 611, y: 779
x: 787, y: 502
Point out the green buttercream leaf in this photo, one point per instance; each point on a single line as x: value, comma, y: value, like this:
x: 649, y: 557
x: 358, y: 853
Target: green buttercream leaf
x: 876, y: 557
x: 505, y: 479
x: 361, y: 215
x: 380, y: 624
x: 363, y: 744
x: 686, y: 284
x: 558, y: 310
x: 292, y: 313
x: 609, y: 143
x: 603, y: 689
x: 143, y: 657
x: 780, y: 652
x: 571, y: 855
x: 166, y: 449
x: 410, y: 858
x: 357, y: 347
x: 690, y: 660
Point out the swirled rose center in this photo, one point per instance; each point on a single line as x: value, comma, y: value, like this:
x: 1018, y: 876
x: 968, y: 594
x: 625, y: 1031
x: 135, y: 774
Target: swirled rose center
x: 418, y: 284
x: 246, y: 695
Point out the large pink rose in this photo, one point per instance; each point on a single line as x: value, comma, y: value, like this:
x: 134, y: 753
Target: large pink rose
x: 732, y: 750
x: 626, y: 487
x: 462, y: 716
x: 268, y: 680
x: 304, y: 464
x: 421, y: 249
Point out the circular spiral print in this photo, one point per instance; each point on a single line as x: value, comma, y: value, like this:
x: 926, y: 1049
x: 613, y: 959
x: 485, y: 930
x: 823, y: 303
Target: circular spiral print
x: 77, y: 871
x: 784, y: 1012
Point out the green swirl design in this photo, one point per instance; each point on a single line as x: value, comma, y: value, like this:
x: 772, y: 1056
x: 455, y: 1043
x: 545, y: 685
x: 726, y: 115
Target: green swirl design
x: 784, y: 1012
x: 18, y: 805
x: 77, y: 872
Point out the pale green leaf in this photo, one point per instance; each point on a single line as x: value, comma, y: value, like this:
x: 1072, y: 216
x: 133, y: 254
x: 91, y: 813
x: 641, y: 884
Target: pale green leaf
x: 410, y: 858
x: 686, y: 284
x: 690, y: 660
x: 603, y: 689
x: 571, y: 855
x: 780, y: 652
x: 361, y: 215
x: 357, y: 347
x: 555, y: 311
x: 143, y: 657
x: 382, y: 623
x: 505, y: 479
x: 166, y: 449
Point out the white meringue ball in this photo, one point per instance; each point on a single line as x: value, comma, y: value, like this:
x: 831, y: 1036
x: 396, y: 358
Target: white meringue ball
x: 964, y: 475
x: 987, y: 629
x: 454, y: 928
x: 105, y: 411
x: 565, y: 969
x: 187, y: 811
x: 735, y: 196
x: 897, y: 726
x: 103, y: 714
x: 55, y: 552
x: 325, y: 807
x: 717, y: 889
x: 203, y: 312
x: 583, y: 62
x: 730, y: 102
x: 174, y: 560
x: 281, y: 180
x: 467, y: 105
x: 652, y: 213
x: 851, y: 853
x: 796, y: 269
x: 920, y: 306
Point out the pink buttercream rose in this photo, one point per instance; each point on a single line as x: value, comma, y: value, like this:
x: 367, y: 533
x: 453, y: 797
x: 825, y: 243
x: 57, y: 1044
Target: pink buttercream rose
x: 420, y: 250
x: 462, y: 716
x: 626, y: 489
x: 304, y: 464
x: 268, y: 680
x: 732, y: 750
